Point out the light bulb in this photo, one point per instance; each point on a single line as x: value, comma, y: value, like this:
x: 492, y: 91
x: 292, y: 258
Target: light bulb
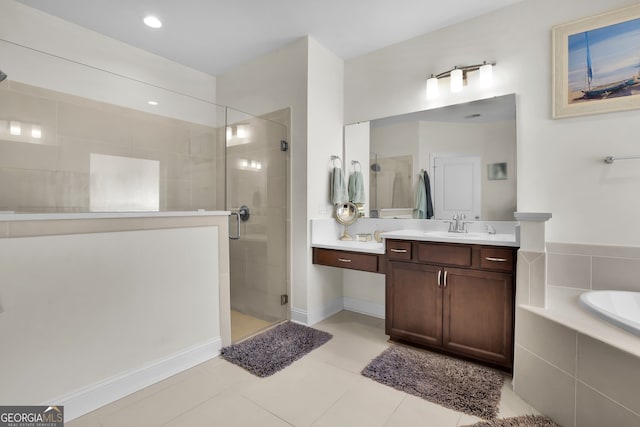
x: 456, y: 80
x: 36, y: 132
x: 486, y: 75
x: 432, y: 87
x: 152, y: 21
x: 15, y: 128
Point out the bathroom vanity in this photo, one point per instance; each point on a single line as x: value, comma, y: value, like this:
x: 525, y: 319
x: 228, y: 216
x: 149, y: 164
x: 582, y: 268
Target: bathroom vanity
x: 454, y: 297
x: 450, y: 292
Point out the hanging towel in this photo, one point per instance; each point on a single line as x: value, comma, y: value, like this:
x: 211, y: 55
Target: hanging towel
x: 337, y: 191
x: 420, y: 211
x: 356, y: 187
x: 427, y: 184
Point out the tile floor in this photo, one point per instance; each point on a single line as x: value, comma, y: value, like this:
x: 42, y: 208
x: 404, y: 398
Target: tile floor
x: 324, y: 388
x: 244, y: 325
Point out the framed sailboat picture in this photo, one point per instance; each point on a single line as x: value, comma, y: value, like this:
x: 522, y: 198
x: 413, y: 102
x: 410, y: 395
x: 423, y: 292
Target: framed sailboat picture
x: 596, y: 64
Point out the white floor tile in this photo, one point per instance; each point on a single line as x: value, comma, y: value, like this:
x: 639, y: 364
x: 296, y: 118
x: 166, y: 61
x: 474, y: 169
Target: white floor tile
x: 366, y: 404
x: 229, y: 410
x: 414, y: 411
x: 324, y: 388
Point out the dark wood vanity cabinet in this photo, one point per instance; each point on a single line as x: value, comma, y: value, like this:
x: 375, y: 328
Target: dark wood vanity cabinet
x: 457, y: 298
x: 346, y: 259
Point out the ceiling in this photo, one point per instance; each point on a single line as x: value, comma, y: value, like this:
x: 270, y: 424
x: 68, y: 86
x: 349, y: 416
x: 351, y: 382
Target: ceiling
x: 214, y: 36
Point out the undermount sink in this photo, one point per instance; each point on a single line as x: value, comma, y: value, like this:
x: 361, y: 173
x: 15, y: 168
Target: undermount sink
x: 457, y: 235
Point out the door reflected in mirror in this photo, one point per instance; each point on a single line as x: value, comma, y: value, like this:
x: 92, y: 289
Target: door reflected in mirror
x: 457, y: 146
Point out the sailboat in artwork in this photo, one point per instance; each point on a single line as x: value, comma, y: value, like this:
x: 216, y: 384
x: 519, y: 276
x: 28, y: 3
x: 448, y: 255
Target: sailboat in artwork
x: 602, y: 91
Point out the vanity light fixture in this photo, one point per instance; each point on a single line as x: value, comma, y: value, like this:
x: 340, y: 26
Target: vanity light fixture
x: 486, y: 75
x: 152, y: 21
x: 456, y: 80
x: 458, y: 77
x: 432, y: 87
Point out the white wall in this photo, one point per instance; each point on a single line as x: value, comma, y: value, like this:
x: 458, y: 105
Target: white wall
x: 560, y: 167
x: 45, y: 51
x: 325, y: 135
x: 89, y: 318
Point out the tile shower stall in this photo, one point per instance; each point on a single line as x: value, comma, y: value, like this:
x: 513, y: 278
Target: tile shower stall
x: 61, y: 153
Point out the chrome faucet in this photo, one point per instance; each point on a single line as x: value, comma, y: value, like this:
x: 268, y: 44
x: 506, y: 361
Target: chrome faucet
x: 458, y: 225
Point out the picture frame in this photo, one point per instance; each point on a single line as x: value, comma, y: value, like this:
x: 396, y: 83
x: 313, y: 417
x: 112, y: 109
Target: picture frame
x: 593, y: 59
x: 496, y: 171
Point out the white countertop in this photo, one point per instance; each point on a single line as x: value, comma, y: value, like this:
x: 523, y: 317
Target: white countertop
x: 11, y: 216
x: 563, y: 307
x: 447, y: 237
x: 371, y: 247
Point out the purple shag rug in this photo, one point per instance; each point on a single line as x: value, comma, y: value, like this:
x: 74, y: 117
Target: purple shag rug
x: 273, y: 350
x: 452, y: 383
x: 522, y: 421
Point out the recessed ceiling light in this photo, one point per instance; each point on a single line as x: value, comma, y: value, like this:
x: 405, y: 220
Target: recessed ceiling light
x: 152, y: 21
x: 152, y: 103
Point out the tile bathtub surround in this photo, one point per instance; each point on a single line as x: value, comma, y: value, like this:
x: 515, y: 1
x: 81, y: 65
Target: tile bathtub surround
x: 575, y: 379
x: 324, y: 388
x: 531, y: 278
x: 596, y: 267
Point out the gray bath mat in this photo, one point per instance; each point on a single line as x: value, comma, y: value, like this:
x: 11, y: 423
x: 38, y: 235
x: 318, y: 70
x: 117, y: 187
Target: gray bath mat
x: 275, y: 349
x: 523, y: 421
x: 452, y: 383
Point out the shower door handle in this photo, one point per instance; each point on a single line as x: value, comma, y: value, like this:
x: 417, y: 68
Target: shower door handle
x: 237, y: 236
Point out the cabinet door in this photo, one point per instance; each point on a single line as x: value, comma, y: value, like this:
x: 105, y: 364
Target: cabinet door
x: 414, y: 303
x: 478, y: 314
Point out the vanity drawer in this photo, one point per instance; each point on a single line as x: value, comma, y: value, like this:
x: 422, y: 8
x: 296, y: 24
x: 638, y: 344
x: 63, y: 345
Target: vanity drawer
x: 458, y: 255
x: 497, y: 259
x: 399, y: 250
x: 345, y: 259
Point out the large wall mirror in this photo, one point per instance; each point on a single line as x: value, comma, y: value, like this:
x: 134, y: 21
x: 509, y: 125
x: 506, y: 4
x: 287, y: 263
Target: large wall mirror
x: 468, y: 152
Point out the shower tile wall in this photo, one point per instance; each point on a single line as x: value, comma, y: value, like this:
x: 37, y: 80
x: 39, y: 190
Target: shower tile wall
x: 51, y: 174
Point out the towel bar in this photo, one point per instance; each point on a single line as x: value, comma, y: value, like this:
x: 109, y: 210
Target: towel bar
x: 610, y: 159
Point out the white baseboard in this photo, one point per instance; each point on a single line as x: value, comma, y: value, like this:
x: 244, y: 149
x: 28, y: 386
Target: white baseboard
x: 309, y: 318
x: 364, y: 307
x: 97, y: 395
x: 299, y: 315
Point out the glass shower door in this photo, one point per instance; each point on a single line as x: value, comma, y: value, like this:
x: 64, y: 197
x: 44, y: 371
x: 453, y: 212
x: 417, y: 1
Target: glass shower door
x: 256, y: 188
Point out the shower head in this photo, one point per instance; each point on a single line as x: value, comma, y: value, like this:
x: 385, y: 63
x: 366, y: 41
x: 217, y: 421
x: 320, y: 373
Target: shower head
x: 2, y: 75
x: 375, y: 167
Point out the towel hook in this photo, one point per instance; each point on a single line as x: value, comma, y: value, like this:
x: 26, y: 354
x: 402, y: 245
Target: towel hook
x: 354, y: 163
x: 334, y: 158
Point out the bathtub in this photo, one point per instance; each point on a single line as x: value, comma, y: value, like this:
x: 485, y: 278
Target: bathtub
x: 621, y: 308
